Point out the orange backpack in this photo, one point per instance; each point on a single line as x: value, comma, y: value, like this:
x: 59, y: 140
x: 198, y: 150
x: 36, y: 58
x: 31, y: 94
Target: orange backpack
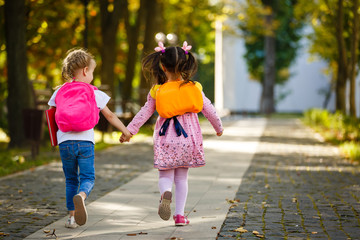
x: 173, y: 99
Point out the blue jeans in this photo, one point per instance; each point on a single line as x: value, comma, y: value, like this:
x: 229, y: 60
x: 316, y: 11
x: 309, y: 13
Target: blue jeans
x: 78, y: 159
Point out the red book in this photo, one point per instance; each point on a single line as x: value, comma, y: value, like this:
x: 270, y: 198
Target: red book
x: 53, y: 128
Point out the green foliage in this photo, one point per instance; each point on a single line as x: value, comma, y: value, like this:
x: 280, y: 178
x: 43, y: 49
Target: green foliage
x: 15, y: 160
x: 286, y: 30
x: 336, y: 128
x: 192, y: 21
x: 54, y: 27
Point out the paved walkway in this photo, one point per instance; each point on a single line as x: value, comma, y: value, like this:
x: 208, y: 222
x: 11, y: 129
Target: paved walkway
x: 131, y: 210
x: 269, y: 176
x: 297, y: 187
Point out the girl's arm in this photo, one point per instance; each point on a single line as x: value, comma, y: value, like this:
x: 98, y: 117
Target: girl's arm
x: 115, y: 121
x: 143, y: 115
x: 210, y: 113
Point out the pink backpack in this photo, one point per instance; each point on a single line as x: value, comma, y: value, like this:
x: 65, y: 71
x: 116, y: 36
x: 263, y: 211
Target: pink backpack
x: 76, y: 108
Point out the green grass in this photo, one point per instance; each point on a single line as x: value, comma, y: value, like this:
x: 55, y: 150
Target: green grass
x: 19, y: 159
x: 15, y: 160
x: 336, y: 128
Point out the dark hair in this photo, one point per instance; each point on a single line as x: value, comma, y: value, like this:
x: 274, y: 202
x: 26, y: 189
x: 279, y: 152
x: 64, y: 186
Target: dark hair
x: 174, y: 60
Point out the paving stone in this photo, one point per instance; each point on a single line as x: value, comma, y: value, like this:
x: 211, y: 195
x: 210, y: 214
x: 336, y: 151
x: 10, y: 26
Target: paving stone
x: 304, y: 184
x: 42, y: 203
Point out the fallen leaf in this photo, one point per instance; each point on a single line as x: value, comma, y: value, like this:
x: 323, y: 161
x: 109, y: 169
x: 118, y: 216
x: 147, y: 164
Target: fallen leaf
x: 294, y: 200
x: 267, y: 186
x: 4, y: 234
x: 194, y: 210
x: 260, y: 236
x: 241, y: 230
x: 46, y: 231
x: 9, y: 222
x: 213, y: 227
x: 232, y: 201
x: 20, y: 191
x: 314, y: 232
x: 131, y: 234
x: 255, y: 232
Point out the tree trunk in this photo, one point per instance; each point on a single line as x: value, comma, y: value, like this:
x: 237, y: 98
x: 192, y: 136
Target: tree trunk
x: 132, y: 32
x: 18, y: 82
x: 110, y: 15
x: 152, y: 9
x: 267, y: 103
x: 342, y: 61
x: 354, y: 56
x: 86, y: 30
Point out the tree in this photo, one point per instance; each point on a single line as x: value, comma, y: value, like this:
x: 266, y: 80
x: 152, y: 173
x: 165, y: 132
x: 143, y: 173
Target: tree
x: 354, y: 56
x: 18, y: 83
x: 110, y: 16
x: 132, y: 32
x: 271, y: 35
x: 342, y: 59
x: 151, y: 27
x: 336, y: 40
x: 267, y: 104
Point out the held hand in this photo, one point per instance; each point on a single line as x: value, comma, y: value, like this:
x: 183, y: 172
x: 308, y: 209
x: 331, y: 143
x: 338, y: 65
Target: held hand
x: 219, y: 133
x: 125, y: 137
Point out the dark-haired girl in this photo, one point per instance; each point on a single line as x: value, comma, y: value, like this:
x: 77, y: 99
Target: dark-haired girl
x: 178, y: 142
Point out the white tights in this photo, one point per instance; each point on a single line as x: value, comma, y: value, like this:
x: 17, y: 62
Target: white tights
x: 179, y: 176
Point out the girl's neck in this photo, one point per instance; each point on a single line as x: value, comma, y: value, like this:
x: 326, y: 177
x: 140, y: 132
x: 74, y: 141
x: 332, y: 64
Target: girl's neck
x: 78, y: 79
x: 173, y: 80
x: 172, y: 77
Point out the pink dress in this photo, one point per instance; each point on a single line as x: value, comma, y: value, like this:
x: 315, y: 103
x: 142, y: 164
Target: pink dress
x: 172, y: 151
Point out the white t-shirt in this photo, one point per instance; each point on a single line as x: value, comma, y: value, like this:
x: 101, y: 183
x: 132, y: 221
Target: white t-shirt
x: 101, y: 99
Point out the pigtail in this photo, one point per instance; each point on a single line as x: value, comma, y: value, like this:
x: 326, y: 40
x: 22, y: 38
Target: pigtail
x: 189, y: 67
x: 152, y: 69
x: 66, y: 72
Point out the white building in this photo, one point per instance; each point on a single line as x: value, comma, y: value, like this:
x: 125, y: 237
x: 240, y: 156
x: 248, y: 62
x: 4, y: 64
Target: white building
x: 236, y: 92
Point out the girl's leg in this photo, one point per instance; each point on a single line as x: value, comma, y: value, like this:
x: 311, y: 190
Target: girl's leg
x: 166, y: 179
x: 181, y: 189
x: 86, y: 162
x: 70, y: 168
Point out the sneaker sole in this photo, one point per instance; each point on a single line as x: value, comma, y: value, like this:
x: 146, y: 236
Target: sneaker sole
x: 80, y: 210
x: 71, y: 226
x: 181, y: 224
x: 164, y: 207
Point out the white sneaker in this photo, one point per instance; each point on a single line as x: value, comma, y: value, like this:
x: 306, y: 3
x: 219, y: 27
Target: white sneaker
x: 70, y: 223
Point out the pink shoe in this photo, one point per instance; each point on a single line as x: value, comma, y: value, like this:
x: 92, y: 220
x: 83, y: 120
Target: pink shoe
x: 164, y: 207
x: 181, y: 220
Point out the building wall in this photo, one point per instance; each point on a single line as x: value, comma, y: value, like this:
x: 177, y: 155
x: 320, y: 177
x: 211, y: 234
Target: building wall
x: 299, y: 93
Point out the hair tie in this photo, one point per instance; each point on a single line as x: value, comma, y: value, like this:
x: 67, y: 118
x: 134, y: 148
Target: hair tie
x: 186, y: 47
x: 160, y: 47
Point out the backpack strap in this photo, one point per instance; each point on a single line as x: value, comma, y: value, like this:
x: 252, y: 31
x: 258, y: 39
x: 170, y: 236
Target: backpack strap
x: 178, y: 128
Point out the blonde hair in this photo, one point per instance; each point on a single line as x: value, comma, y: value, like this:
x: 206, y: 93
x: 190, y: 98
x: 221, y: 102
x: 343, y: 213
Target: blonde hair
x: 77, y: 58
